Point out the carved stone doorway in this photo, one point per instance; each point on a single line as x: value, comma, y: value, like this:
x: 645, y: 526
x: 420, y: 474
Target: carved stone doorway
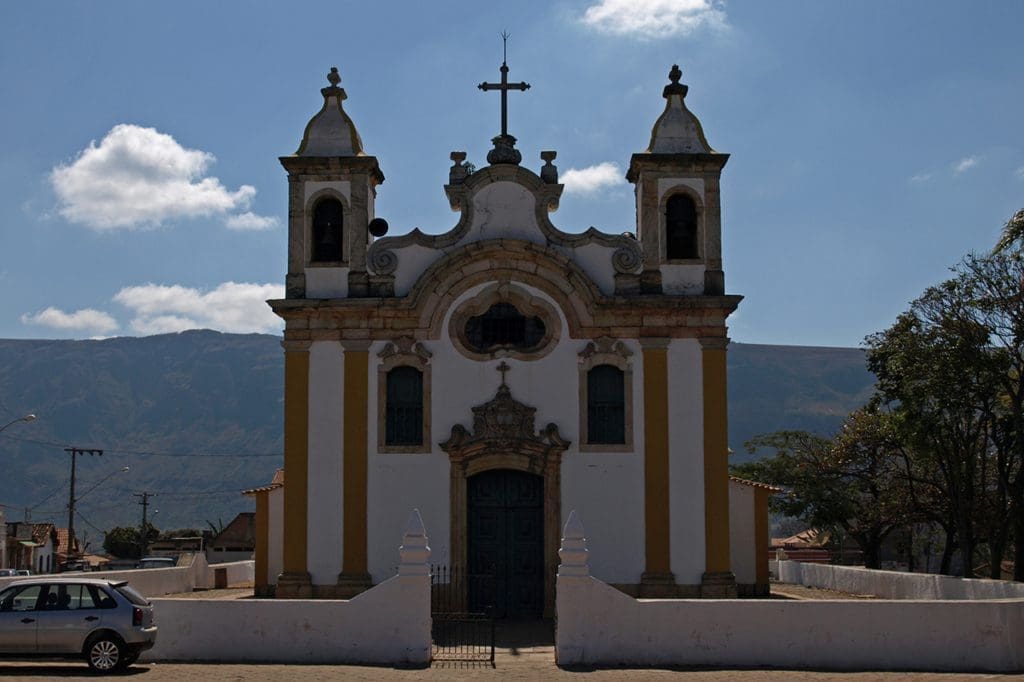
x: 504, y: 438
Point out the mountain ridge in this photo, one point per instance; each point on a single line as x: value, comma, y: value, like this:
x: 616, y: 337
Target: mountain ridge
x: 198, y: 417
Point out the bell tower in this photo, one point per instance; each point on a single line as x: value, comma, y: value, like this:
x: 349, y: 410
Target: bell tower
x: 331, y: 190
x: 678, y: 209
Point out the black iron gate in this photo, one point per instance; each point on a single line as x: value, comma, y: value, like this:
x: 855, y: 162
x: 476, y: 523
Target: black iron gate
x: 462, y: 611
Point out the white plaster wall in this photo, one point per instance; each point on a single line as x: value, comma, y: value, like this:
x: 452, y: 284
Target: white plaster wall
x: 326, y: 282
x: 596, y: 261
x: 608, y: 487
x: 894, y: 584
x: 742, y: 533
x: 388, y: 624
x: 238, y: 573
x: 682, y: 279
x: 503, y: 210
x: 396, y: 483
x: 551, y: 385
x: 598, y: 625
x: 275, y: 534
x: 686, y: 460
x: 324, y: 512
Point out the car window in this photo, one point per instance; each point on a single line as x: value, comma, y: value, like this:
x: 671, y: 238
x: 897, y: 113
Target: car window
x: 131, y: 595
x: 101, y: 598
x: 22, y: 598
x: 76, y: 596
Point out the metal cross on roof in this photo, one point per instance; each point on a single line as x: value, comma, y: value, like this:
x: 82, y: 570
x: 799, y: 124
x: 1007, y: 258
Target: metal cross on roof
x: 504, y: 86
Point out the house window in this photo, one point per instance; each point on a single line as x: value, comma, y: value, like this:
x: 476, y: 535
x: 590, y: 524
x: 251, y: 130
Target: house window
x: 404, y: 424
x: 503, y: 326
x: 328, y: 220
x: 606, y: 405
x: 681, y: 228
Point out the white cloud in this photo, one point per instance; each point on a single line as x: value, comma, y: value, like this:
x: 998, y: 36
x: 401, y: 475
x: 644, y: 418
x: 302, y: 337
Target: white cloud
x: 920, y: 178
x: 139, y: 177
x: 591, y: 179
x: 654, y: 18
x: 231, y: 307
x: 1019, y: 173
x: 86, y: 319
x: 250, y: 222
x: 965, y: 164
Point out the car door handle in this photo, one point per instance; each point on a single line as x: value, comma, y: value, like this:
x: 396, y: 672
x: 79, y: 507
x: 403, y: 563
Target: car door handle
x: 28, y: 620
x: 92, y: 618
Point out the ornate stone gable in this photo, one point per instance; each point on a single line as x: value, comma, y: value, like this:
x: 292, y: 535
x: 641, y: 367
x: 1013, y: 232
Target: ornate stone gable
x: 504, y: 424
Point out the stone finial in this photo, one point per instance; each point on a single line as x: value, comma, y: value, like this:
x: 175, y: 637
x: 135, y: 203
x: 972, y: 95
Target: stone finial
x: 458, y: 173
x: 414, y: 552
x: 677, y: 130
x: 331, y: 132
x: 573, y: 551
x: 549, y: 171
x: 675, y: 87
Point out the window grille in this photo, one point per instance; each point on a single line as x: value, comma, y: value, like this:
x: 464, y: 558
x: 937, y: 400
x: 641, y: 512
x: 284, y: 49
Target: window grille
x: 404, y: 425
x: 606, y: 405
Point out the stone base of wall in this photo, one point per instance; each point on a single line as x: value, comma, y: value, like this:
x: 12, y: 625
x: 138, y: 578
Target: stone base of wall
x: 294, y: 586
x: 752, y: 590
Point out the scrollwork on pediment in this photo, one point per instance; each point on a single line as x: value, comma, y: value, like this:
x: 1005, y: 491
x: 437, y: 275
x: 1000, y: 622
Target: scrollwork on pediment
x: 503, y: 424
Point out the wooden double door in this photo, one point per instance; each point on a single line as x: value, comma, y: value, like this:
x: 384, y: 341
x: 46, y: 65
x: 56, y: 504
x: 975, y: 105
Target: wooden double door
x: 505, y: 541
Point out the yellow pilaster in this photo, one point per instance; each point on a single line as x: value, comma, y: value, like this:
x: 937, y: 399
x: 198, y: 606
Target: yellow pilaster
x: 354, y: 465
x: 656, y: 463
x: 716, y: 466
x: 294, y: 580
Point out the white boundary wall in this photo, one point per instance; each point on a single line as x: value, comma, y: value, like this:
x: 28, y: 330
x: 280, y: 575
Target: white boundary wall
x: 156, y: 582
x: 598, y: 625
x: 389, y: 623
x: 893, y: 584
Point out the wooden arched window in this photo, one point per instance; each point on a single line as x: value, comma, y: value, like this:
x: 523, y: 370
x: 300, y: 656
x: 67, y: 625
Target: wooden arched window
x: 328, y: 223
x: 606, y: 405
x: 681, y: 228
x: 404, y: 418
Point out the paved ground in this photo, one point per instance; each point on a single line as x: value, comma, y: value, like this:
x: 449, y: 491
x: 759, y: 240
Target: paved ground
x: 508, y: 667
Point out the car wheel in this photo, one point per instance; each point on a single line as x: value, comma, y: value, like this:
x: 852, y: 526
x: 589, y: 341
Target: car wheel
x: 105, y: 654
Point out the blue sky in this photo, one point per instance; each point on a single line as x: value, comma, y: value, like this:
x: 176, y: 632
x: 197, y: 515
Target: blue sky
x: 873, y: 143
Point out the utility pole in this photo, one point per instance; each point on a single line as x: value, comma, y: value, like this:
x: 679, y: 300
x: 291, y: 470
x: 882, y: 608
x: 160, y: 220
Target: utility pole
x: 71, y: 497
x: 144, y: 501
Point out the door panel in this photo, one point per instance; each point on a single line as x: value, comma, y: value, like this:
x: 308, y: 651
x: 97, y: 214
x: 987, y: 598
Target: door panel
x: 506, y: 540
x: 18, y: 620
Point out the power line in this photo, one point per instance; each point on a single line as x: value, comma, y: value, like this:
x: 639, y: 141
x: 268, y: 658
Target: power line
x: 149, y: 453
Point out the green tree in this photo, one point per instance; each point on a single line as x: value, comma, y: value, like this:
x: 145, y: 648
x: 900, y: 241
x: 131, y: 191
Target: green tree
x: 851, y: 483
x: 124, y: 541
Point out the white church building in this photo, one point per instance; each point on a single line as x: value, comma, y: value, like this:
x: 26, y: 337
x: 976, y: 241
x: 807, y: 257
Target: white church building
x: 504, y: 373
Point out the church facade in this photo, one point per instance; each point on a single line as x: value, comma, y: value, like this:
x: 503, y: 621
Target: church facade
x: 504, y: 373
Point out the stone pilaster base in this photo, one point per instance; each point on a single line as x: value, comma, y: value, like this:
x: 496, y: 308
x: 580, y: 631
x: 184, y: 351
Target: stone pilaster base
x: 720, y: 585
x: 657, y: 586
x: 351, y: 584
x: 294, y: 586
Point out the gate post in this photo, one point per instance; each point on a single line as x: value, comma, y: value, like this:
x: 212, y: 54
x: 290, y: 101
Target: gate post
x: 573, y: 578
x: 414, y: 577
